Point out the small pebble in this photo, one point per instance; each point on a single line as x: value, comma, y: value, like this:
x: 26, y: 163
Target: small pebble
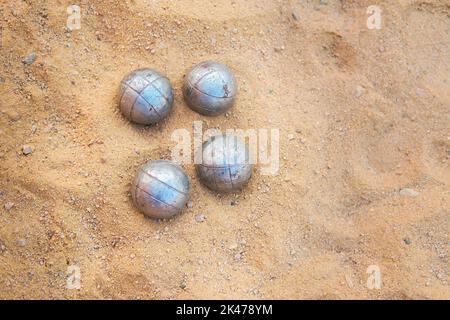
x: 22, y: 242
x: 30, y: 59
x: 26, y: 150
x: 200, y: 218
x: 237, y: 257
x: 9, y: 205
x: 295, y: 16
x: 407, y: 192
x: 349, y: 281
x: 421, y: 93
x: 359, y: 91
x: 190, y: 204
x: 407, y: 241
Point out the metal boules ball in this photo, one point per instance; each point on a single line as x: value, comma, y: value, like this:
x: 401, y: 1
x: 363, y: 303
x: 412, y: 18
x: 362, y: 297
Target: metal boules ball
x: 145, y: 96
x: 210, y: 88
x: 226, y: 165
x: 160, y: 189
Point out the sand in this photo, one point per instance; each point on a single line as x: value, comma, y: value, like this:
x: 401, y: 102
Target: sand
x: 363, y: 182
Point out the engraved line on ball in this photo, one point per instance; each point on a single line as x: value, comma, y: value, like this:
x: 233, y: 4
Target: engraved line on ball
x: 124, y: 82
x: 231, y: 178
x: 206, y: 74
x: 156, y: 88
x: 225, y: 86
x: 214, y: 176
x: 165, y: 183
x: 154, y: 198
x: 147, y: 85
x: 209, y: 95
x: 224, y: 166
x: 123, y: 94
x: 229, y: 167
x: 143, y: 97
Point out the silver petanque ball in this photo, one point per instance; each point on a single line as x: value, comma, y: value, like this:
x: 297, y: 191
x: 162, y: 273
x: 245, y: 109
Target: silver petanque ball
x: 225, y: 163
x: 160, y: 189
x: 145, y: 96
x: 210, y: 88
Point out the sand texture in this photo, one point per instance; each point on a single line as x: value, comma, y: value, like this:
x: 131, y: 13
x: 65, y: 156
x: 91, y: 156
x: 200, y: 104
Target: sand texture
x: 363, y: 116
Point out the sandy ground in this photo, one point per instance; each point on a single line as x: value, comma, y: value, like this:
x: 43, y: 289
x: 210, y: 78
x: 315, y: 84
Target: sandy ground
x: 363, y: 114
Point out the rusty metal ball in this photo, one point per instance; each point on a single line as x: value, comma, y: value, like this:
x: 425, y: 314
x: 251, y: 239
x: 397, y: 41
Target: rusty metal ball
x: 160, y: 189
x: 225, y: 163
x: 145, y: 96
x: 210, y: 88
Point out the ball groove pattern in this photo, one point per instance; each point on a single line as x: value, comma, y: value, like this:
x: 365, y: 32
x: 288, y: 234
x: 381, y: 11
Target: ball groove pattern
x: 145, y: 96
x: 210, y: 88
x: 225, y: 166
x: 160, y: 189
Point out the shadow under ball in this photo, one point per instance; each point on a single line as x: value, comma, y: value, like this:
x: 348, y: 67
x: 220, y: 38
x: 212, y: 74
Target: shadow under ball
x: 160, y: 189
x: 145, y: 96
x: 210, y: 88
x: 225, y: 163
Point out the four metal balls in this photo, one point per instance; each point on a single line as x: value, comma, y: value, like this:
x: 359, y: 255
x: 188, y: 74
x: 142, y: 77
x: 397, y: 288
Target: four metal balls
x: 210, y: 88
x: 225, y: 163
x: 160, y: 189
x: 145, y: 96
